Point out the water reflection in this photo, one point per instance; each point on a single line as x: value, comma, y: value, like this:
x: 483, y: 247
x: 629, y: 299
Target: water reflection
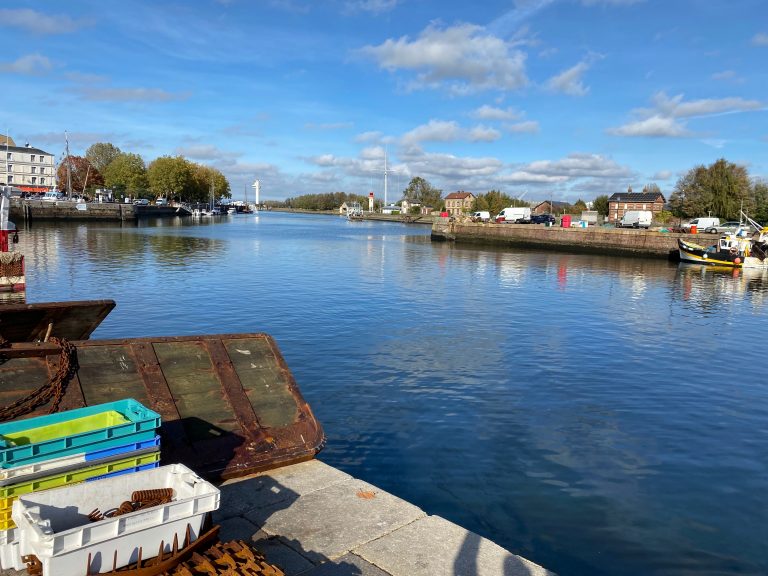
x: 707, y: 288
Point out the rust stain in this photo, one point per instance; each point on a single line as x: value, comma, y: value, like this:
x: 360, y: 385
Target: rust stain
x: 366, y: 494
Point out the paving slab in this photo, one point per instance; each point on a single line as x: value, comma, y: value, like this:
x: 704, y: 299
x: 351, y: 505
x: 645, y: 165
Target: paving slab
x: 433, y: 545
x: 278, y: 553
x: 326, y: 524
x: 284, y: 484
x: 347, y: 565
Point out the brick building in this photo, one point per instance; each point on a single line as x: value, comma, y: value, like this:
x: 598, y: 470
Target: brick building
x: 621, y: 202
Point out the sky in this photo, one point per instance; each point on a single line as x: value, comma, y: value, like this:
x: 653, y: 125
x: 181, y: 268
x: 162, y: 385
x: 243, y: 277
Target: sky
x: 539, y: 99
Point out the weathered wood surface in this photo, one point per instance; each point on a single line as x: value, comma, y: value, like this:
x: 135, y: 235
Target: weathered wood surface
x: 230, y: 405
x: 69, y: 320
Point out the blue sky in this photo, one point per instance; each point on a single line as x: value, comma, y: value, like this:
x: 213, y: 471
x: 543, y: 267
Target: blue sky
x: 537, y: 98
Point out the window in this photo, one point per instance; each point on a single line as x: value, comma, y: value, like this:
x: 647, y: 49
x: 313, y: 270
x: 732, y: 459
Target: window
x: 10, y: 155
x: 643, y: 206
x: 10, y: 178
x: 10, y: 167
x: 42, y: 180
x: 42, y: 159
x: 34, y: 180
x: 34, y: 169
x: 32, y: 158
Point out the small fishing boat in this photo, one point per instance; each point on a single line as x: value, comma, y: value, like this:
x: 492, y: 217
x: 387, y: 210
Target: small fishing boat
x: 733, y: 249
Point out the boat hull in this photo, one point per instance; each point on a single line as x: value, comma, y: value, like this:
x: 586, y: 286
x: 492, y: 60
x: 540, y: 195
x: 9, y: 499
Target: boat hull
x: 694, y: 253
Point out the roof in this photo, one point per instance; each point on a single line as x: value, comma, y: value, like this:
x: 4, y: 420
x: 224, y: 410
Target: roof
x: 459, y: 195
x: 27, y: 149
x: 553, y: 203
x: 636, y: 197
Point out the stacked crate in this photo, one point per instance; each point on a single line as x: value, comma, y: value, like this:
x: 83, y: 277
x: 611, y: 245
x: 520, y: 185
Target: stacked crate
x: 65, y: 448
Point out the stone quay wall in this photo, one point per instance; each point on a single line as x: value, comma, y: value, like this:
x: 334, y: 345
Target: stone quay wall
x: 594, y: 240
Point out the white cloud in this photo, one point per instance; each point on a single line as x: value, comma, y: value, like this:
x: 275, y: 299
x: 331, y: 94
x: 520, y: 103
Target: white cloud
x: 486, y: 112
x: 462, y: 59
x: 579, y: 165
x: 129, y: 94
x: 610, y: 2
x: 655, y: 126
x: 39, y: 23
x: 717, y: 143
x: 483, y: 134
x: 31, y: 64
x: 727, y: 75
x: 760, y: 39
x: 374, y: 6
x: 529, y: 126
x: 445, y: 131
x: 662, y: 175
x: 370, y: 136
x: 665, y: 118
x: 570, y: 81
x: 205, y: 152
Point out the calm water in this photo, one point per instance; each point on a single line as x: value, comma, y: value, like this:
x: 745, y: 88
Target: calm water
x: 597, y: 415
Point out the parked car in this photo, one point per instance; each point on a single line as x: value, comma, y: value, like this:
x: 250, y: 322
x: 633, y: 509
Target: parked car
x: 481, y: 216
x: 161, y: 202
x: 542, y: 219
x: 730, y: 226
x: 141, y: 202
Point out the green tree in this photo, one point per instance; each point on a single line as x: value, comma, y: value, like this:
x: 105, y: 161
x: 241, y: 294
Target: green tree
x: 421, y: 191
x: 101, y: 154
x: 601, y: 205
x: 719, y: 189
x: 171, y: 177
x: 579, y: 206
x: 126, y: 174
x: 493, y: 201
x: 207, y: 181
x: 760, y: 201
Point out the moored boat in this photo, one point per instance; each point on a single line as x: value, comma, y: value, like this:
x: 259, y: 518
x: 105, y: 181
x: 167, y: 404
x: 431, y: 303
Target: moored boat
x: 736, y: 250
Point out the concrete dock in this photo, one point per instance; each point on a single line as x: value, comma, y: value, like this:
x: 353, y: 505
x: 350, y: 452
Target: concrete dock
x: 311, y: 519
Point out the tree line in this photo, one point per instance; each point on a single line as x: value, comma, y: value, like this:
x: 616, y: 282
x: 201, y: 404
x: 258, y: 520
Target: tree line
x: 171, y: 177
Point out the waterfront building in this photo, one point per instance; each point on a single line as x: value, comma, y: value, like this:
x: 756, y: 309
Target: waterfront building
x: 550, y: 207
x: 458, y: 203
x: 26, y: 168
x: 621, y: 202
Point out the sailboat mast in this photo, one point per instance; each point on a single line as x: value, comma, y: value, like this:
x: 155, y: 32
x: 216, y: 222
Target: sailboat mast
x: 385, y: 177
x: 69, y: 165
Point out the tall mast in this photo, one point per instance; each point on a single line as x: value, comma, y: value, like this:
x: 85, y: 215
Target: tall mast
x: 385, y: 176
x: 69, y: 166
x: 7, y: 174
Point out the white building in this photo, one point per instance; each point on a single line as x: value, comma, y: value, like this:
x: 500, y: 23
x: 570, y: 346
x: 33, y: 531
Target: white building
x: 29, y: 169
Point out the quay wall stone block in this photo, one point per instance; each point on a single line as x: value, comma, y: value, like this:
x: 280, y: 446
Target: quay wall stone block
x: 596, y: 240
x: 67, y: 210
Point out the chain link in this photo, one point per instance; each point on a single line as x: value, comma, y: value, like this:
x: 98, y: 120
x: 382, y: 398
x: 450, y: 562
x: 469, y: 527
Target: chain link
x: 52, y: 390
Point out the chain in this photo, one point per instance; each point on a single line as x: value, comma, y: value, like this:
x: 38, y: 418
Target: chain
x: 52, y: 390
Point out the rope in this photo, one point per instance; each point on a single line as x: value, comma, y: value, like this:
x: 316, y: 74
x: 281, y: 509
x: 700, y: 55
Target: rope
x: 52, y: 390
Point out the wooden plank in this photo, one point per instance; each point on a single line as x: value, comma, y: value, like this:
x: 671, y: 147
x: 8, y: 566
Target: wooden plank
x: 69, y: 320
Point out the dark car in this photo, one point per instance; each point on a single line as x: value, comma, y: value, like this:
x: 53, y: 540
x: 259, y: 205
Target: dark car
x: 542, y: 219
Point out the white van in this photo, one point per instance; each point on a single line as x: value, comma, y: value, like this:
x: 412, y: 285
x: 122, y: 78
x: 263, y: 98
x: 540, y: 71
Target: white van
x: 636, y: 219
x: 480, y: 216
x: 702, y: 224
x: 518, y: 215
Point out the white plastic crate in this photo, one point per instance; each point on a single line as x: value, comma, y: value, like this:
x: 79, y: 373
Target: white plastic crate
x: 54, y: 524
x: 10, y: 554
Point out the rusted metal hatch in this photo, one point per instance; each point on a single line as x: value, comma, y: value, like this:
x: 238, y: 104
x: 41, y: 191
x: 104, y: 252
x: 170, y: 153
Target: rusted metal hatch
x: 229, y: 403
x: 70, y: 320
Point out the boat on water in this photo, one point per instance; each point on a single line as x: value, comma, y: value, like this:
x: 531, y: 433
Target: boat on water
x: 355, y: 211
x: 733, y: 249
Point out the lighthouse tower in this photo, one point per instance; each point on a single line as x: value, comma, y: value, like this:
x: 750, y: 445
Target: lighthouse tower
x: 257, y: 187
x: 370, y: 201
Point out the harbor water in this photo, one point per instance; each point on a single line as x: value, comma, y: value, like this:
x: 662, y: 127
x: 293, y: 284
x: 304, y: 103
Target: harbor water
x: 597, y: 415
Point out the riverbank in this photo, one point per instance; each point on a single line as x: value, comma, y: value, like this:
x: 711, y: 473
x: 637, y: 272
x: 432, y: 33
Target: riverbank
x: 593, y: 240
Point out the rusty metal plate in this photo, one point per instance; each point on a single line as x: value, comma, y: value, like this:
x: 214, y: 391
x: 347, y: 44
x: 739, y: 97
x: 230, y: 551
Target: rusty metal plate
x: 230, y: 405
x: 70, y: 320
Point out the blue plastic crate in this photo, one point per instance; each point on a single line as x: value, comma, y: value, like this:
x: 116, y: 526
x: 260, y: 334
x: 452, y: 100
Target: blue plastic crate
x: 44, y: 468
x: 126, y: 471
x: 142, y: 424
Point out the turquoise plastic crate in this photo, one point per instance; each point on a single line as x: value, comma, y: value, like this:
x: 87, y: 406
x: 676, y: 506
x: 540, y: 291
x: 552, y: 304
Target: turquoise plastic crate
x: 142, y: 425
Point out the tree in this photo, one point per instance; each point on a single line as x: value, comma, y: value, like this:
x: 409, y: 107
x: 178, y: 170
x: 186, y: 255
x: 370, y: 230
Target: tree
x: 493, y: 201
x: 81, y: 174
x: 760, y: 201
x: 601, y: 205
x: 101, y: 154
x: 421, y: 191
x: 651, y: 188
x: 126, y: 174
x: 171, y: 177
x: 207, y: 181
x: 720, y: 189
x: 579, y: 206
